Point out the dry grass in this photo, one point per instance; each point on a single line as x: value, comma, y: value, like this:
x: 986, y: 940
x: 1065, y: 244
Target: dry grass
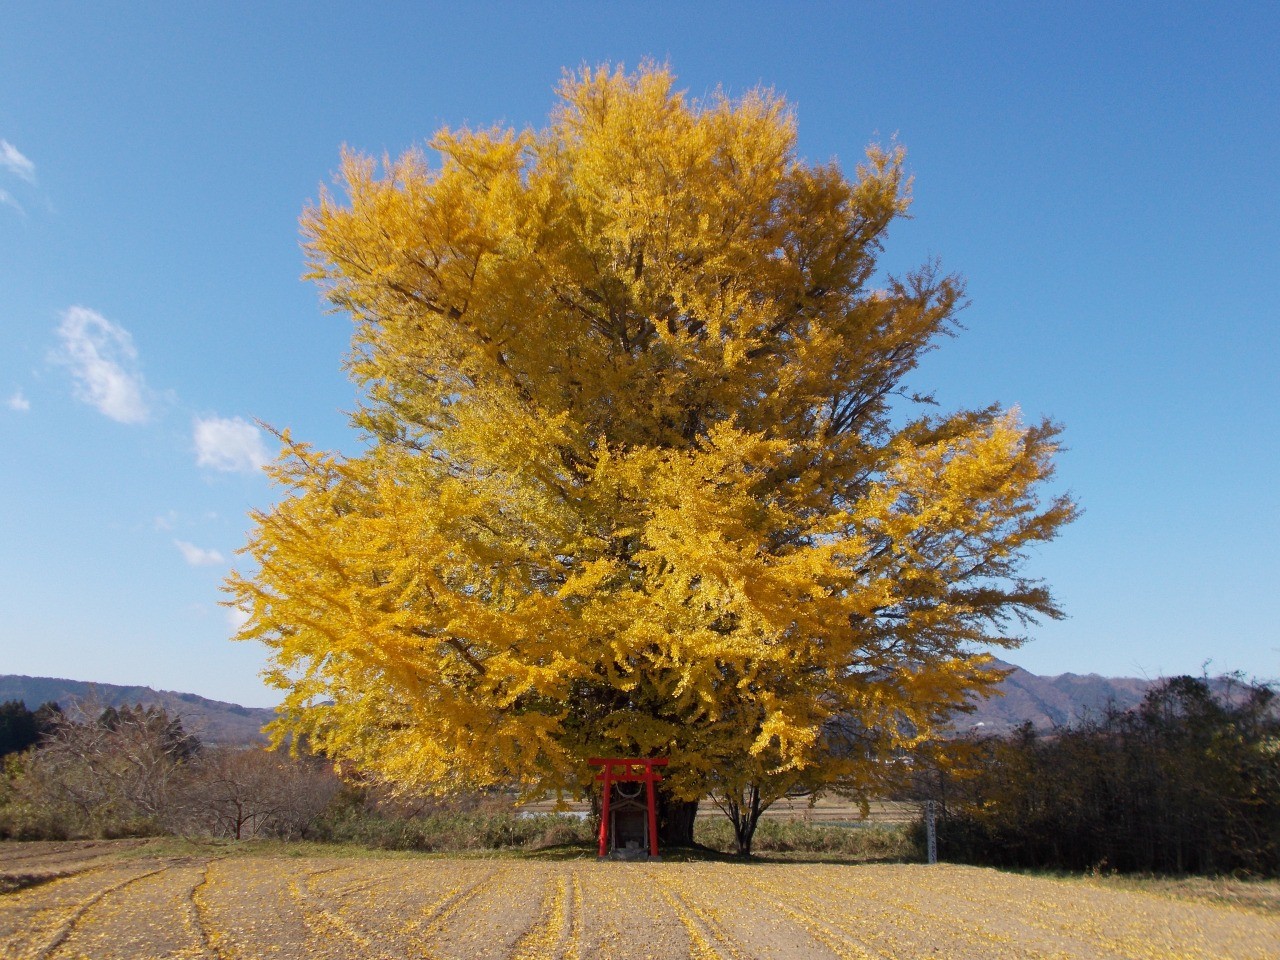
x: 1261, y: 896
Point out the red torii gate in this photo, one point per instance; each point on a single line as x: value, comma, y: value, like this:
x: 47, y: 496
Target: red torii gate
x: 620, y: 770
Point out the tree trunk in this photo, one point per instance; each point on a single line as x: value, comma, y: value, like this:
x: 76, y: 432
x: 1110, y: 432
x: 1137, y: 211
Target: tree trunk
x: 743, y: 810
x: 744, y: 832
x: 675, y: 820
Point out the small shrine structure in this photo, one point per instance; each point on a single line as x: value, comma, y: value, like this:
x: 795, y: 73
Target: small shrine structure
x: 628, y: 827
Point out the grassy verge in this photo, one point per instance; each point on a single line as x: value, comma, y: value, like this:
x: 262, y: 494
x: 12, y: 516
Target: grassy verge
x: 456, y: 832
x: 872, y: 842
x: 543, y: 838
x: 1258, y: 896
x: 354, y: 832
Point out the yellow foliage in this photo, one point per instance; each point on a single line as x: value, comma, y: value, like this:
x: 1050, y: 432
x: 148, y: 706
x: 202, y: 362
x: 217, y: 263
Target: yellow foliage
x: 641, y: 474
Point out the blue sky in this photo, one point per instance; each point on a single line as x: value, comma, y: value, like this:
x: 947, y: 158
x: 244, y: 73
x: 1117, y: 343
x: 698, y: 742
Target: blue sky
x: 1104, y: 175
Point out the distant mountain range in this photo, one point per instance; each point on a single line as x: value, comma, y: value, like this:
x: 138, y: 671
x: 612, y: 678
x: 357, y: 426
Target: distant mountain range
x: 1050, y: 702
x: 1046, y: 702
x: 211, y: 720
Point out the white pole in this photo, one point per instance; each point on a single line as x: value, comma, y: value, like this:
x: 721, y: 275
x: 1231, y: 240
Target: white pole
x: 931, y: 830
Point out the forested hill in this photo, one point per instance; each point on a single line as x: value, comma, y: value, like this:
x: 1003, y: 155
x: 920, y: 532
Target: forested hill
x: 1050, y: 702
x: 211, y: 720
x: 1046, y: 701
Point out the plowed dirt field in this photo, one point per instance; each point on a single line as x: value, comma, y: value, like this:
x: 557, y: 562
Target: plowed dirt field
x: 105, y: 901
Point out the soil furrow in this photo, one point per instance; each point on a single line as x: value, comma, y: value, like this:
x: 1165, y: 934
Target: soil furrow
x: 573, y: 949
x: 69, y: 923
x: 700, y: 939
x: 881, y: 918
x: 552, y: 933
x: 244, y: 907
x: 693, y: 905
x: 197, y: 913
x: 54, y: 874
x: 71, y: 848
x: 758, y: 921
x: 838, y: 942
x: 452, y: 902
x: 322, y: 922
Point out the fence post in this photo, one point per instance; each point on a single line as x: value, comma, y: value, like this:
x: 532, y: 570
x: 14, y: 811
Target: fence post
x: 931, y: 830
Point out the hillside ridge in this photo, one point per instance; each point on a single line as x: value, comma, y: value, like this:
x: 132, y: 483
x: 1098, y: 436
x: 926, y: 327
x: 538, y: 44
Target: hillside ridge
x: 213, y: 721
x: 1047, y: 702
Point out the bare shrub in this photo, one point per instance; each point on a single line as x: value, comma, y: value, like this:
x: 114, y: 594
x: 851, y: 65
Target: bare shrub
x: 104, y: 773
x: 248, y: 792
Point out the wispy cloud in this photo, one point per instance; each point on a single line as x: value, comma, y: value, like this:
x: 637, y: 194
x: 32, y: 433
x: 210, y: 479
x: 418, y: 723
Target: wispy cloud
x: 12, y: 160
x: 7, y: 199
x: 198, y: 556
x: 231, y: 445
x: 104, y: 363
x: 18, y: 402
x: 237, y: 617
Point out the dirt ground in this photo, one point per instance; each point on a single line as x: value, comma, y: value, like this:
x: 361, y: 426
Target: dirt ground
x: 122, y: 900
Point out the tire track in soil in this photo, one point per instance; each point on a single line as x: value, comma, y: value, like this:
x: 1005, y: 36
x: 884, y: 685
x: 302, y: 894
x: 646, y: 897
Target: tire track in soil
x: 556, y: 934
x: 1134, y: 926
x: 708, y: 940
x: 574, y: 949
x: 24, y: 911
x: 26, y: 868
x: 320, y: 921
x: 245, y: 906
x: 28, y: 913
x: 431, y: 923
x: 1033, y: 921
x: 913, y: 922
x: 357, y: 885
x: 148, y: 918
x: 335, y: 907
x: 323, y: 911
x: 624, y: 914
x: 840, y: 942
x: 371, y: 922
x: 758, y: 921
x: 1020, y: 918
x: 9, y: 857
x: 197, y: 911
x: 70, y: 921
x: 835, y: 940
x: 816, y: 919
x: 54, y: 874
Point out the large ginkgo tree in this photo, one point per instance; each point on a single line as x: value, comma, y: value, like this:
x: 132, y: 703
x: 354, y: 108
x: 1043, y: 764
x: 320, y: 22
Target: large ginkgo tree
x: 644, y: 472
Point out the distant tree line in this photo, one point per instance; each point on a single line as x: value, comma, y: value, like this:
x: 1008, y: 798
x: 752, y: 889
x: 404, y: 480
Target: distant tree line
x: 130, y: 771
x: 1188, y: 782
x: 135, y: 771
x: 21, y: 728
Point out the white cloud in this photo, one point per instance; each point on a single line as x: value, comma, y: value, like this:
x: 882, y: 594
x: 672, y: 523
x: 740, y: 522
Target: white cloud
x: 231, y: 445
x: 13, y: 161
x: 7, y: 199
x: 18, y: 402
x: 198, y: 556
x: 104, y: 363
x: 167, y: 520
x: 237, y: 617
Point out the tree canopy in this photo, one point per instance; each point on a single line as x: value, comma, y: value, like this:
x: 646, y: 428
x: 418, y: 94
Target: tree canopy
x: 21, y: 728
x: 642, y: 471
